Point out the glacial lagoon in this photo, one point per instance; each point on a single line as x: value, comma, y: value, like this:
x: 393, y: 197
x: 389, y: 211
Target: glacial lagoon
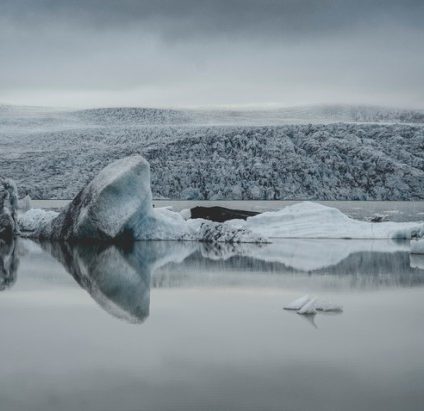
x: 192, y: 326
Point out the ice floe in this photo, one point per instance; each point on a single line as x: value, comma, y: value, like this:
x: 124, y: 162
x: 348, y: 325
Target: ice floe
x: 313, y: 220
x: 308, y: 308
x: 307, y: 305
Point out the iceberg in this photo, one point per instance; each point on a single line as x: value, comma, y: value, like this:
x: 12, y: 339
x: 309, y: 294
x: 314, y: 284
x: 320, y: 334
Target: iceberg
x: 313, y: 220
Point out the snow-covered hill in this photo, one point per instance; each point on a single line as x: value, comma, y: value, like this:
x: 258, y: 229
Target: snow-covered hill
x: 53, y: 153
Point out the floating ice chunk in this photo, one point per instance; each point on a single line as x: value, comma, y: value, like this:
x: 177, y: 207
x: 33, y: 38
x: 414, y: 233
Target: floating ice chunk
x: 308, y: 308
x: 298, y: 303
x: 313, y: 220
x: 326, y: 306
x: 417, y: 246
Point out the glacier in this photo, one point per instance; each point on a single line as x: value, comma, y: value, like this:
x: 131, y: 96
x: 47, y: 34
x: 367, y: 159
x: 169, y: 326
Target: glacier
x: 239, y: 157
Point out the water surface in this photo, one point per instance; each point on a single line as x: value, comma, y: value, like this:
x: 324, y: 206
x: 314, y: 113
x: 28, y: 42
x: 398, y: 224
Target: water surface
x: 189, y: 326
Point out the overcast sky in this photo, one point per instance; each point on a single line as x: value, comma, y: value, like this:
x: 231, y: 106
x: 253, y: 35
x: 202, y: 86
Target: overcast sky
x: 191, y: 53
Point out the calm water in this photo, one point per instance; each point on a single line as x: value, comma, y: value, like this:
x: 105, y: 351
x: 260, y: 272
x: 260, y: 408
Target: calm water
x: 188, y: 326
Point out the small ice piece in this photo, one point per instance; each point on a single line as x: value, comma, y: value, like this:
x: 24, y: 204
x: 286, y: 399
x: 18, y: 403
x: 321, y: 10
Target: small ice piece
x: 326, y: 306
x: 308, y: 308
x: 298, y: 303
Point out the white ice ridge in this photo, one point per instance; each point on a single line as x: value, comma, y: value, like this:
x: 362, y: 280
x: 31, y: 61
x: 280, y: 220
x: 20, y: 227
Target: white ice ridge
x: 313, y: 220
x: 307, y: 305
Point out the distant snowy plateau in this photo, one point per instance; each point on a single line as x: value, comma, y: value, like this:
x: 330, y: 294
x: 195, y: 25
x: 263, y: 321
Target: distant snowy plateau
x: 323, y: 152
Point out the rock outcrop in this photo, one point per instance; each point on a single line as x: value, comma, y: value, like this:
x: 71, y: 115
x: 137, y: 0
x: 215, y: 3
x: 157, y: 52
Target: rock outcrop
x: 220, y: 214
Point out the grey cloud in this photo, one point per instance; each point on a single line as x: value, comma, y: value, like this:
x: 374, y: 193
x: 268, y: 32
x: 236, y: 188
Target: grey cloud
x: 216, y: 52
x: 217, y: 17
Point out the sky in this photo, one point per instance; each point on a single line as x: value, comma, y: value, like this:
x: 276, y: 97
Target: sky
x: 216, y: 53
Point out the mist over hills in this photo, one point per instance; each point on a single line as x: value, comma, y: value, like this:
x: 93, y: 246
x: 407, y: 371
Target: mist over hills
x: 315, y: 152
x: 26, y: 115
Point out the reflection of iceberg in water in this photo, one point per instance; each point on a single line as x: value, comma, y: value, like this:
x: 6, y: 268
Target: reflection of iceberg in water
x: 416, y: 261
x: 9, y: 262
x: 117, y: 278
x: 350, y: 263
x: 305, y: 254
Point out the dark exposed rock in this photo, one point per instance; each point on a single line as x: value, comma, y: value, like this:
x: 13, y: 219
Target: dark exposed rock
x: 220, y: 214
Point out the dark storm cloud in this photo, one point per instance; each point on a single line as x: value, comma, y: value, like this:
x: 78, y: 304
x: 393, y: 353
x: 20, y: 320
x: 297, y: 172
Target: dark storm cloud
x: 214, y: 17
x: 215, y: 52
